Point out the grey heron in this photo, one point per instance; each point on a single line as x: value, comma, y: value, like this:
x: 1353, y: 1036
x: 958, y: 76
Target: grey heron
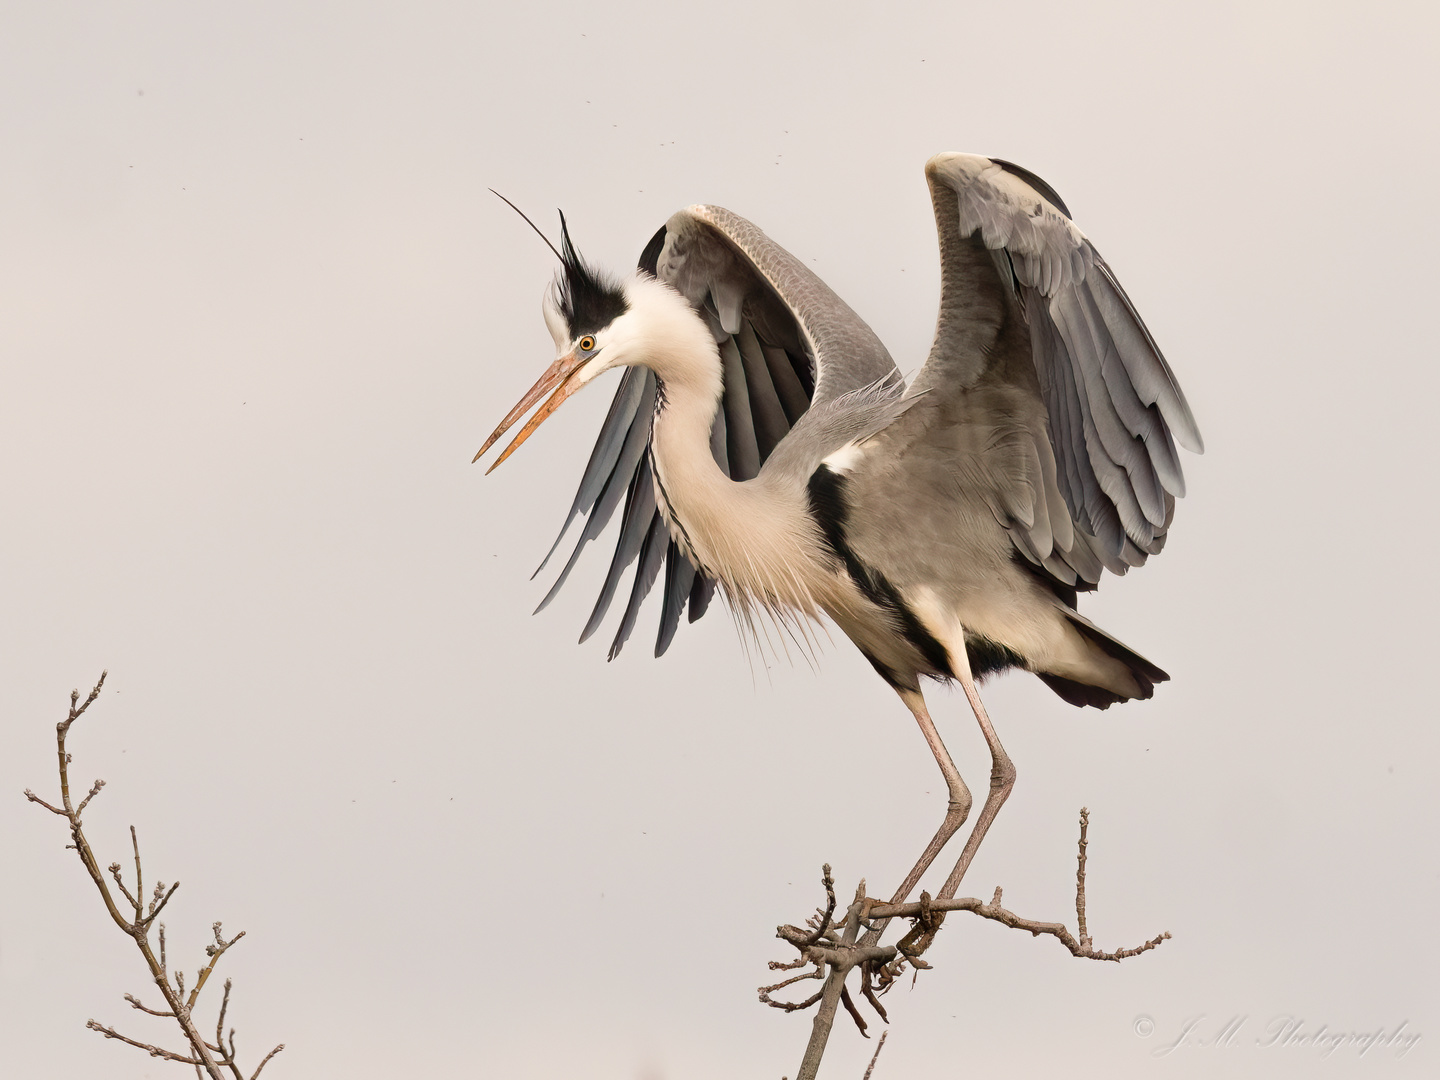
x: 763, y: 442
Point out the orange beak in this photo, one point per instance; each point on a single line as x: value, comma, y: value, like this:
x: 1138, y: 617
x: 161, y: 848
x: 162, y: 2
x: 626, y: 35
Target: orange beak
x: 559, y: 374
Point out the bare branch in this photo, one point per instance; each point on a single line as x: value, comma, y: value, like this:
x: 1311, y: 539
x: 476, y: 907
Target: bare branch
x: 114, y: 869
x: 179, y: 1008
x: 824, y: 923
x: 997, y: 913
x: 214, y: 952
x: 766, y: 991
x: 157, y: 905
x: 94, y: 790
x: 74, y: 694
x: 793, y: 1006
x: 139, y: 877
x: 780, y: 965
x: 876, y: 1057
x: 136, y: 1004
x: 834, y: 953
x: 36, y: 799
x: 154, y: 1051
x: 265, y: 1061
x: 1083, y: 948
x: 1080, y: 879
x: 220, y: 1023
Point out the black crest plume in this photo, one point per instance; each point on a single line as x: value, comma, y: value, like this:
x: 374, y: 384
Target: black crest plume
x: 526, y: 218
x: 588, y: 301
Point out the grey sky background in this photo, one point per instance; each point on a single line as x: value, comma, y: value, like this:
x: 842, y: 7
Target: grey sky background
x: 257, y: 311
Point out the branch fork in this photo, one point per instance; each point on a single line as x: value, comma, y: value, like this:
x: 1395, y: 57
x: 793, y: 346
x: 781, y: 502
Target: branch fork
x: 217, y: 1059
x: 831, y: 951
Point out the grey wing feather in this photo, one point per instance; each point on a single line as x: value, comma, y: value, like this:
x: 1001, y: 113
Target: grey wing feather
x: 1104, y: 441
x: 652, y: 553
x: 635, y: 526
x: 679, y: 577
x: 744, y: 452
x: 710, y: 251
x: 770, y: 422
x: 786, y: 342
x: 617, y: 423
x: 632, y: 451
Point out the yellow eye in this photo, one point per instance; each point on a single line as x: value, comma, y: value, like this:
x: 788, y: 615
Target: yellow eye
x: 587, y: 343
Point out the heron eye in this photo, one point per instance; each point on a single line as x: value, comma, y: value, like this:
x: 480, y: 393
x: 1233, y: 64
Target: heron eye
x: 587, y: 343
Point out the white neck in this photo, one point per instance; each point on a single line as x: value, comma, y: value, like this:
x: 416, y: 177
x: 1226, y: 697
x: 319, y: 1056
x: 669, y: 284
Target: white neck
x: 755, y: 539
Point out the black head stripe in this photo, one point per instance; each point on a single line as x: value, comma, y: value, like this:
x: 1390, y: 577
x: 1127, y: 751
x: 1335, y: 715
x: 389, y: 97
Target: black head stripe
x: 587, y: 301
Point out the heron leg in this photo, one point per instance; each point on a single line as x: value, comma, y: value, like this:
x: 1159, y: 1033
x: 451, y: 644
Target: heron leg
x: 960, y: 800
x: 1002, y: 779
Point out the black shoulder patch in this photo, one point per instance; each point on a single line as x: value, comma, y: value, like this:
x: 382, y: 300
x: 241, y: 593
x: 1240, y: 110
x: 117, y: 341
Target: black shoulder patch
x: 588, y: 301
x: 830, y: 509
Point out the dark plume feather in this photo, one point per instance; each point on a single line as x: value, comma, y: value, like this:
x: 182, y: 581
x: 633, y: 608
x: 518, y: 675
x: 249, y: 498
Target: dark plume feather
x: 527, y: 220
x: 588, y: 301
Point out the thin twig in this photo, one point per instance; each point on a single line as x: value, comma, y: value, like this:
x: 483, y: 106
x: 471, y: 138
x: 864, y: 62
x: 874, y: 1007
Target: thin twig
x: 766, y: 991
x: 220, y: 1023
x: 824, y: 924
x: 876, y: 1056
x: 157, y: 905
x: 114, y: 869
x: 36, y: 799
x: 1008, y: 918
x: 94, y: 790
x: 1080, y: 879
x: 214, y: 952
x: 155, y: 1051
x: 139, y: 876
x: 794, y: 1006
x: 265, y: 1061
x: 137, y: 1004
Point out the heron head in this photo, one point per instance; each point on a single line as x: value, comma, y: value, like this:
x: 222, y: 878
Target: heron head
x: 599, y: 323
x: 583, y: 310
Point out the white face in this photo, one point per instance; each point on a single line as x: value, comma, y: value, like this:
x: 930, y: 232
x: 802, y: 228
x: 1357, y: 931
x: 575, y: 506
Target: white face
x: 593, y: 353
x: 658, y: 329
x: 613, y: 345
x: 555, y: 322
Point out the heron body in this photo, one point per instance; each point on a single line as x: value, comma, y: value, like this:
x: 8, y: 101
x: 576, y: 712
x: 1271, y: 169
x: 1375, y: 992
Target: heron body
x: 763, y: 442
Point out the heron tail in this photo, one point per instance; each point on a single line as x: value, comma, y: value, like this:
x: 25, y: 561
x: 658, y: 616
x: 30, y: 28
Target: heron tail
x: 1142, y: 671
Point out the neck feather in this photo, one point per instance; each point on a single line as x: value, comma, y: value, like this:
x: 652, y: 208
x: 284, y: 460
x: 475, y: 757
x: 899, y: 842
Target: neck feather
x: 754, y: 537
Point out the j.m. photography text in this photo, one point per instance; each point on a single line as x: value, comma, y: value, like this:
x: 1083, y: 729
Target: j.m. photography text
x: 1283, y: 1031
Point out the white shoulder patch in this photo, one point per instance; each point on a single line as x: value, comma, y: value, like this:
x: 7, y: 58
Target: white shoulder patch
x: 845, y: 459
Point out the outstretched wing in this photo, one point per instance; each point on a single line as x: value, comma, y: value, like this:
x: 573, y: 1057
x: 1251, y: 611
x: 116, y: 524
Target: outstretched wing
x: 1096, y: 472
x: 785, y: 340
